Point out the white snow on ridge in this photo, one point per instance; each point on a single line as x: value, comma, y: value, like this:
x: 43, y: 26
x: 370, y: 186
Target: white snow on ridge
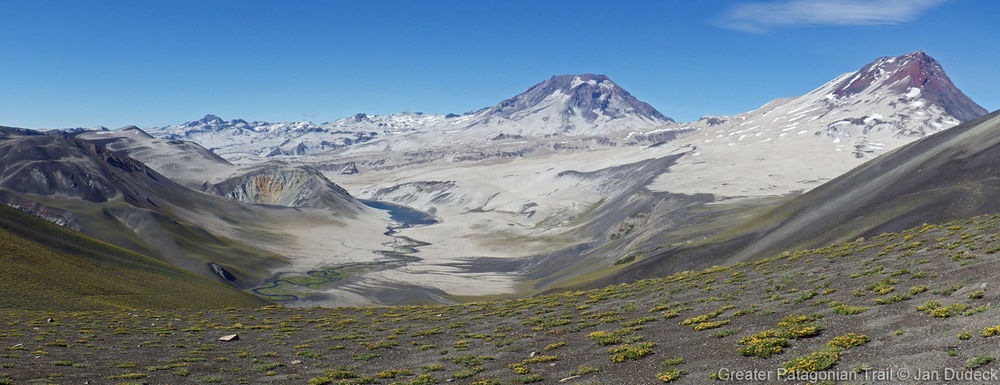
x: 563, y: 111
x: 837, y: 127
x: 838, y: 123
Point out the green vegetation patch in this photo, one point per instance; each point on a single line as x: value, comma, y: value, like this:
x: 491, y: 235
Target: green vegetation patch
x: 773, y: 341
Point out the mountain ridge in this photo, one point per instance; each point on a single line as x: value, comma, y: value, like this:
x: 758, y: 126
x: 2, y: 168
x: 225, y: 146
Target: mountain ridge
x: 584, y: 104
x: 887, y: 100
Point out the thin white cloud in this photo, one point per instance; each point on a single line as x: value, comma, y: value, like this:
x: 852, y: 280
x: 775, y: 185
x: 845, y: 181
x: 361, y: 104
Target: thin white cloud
x: 760, y: 17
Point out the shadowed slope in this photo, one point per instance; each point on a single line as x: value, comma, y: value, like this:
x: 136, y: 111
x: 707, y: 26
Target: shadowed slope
x: 120, y: 200
x: 45, y: 266
x: 943, y: 177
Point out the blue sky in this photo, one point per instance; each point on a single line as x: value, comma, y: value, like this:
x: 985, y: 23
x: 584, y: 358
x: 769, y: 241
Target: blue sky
x: 150, y: 63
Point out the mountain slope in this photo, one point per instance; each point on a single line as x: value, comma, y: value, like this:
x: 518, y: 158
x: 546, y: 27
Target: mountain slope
x: 122, y: 201
x: 58, y: 164
x: 184, y: 162
x: 190, y: 164
x: 796, y: 144
x: 46, y: 267
x: 855, y: 311
x: 119, y: 200
x: 946, y: 176
x: 890, y: 99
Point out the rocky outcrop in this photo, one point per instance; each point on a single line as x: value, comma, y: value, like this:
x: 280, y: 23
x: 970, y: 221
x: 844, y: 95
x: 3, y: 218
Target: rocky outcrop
x: 58, y: 216
x: 503, y: 136
x: 421, y: 194
x: 349, y: 169
x: 281, y: 184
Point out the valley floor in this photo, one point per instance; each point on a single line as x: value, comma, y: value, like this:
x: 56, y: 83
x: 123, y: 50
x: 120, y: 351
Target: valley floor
x: 922, y: 301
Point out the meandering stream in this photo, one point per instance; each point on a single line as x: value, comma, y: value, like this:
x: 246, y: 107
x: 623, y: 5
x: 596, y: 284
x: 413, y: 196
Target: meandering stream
x: 402, y: 251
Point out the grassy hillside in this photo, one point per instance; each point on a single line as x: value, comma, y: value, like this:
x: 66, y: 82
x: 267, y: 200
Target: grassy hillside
x: 924, y: 299
x: 44, y: 266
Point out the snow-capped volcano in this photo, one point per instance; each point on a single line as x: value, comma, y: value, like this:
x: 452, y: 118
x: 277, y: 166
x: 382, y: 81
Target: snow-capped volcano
x: 585, y: 104
x: 911, y: 75
x: 888, y: 102
x: 569, y: 105
x: 797, y: 143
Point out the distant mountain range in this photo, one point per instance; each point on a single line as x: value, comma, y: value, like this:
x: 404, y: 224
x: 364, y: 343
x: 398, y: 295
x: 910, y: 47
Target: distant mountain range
x: 563, y: 105
x: 862, y: 113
